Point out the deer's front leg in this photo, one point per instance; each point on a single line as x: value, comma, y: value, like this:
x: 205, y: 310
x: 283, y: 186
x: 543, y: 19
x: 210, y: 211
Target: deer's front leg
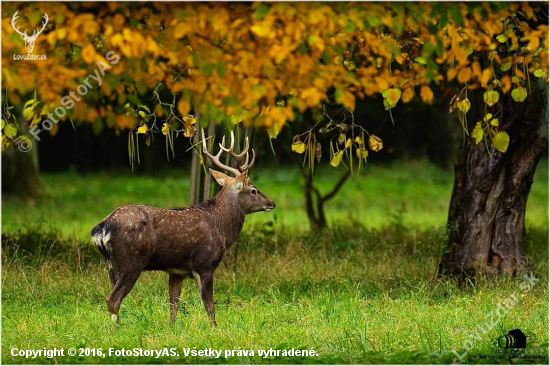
x: 206, y: 287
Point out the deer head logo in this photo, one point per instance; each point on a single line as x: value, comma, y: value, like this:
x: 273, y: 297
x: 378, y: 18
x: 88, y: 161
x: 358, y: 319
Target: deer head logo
x: 29, y: 40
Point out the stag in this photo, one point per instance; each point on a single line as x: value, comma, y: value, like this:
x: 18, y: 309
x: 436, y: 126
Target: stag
x: 29, y: 40
x: 184, y: 242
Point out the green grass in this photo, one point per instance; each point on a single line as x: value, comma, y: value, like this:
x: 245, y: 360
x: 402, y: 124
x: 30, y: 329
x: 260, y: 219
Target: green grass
x: 362, y: 292
x: 415, y: 193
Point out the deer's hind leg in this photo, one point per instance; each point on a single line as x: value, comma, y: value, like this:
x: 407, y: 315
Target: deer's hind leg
x: 174, y: 288
x: 124, y: 283
x: 112, y: 277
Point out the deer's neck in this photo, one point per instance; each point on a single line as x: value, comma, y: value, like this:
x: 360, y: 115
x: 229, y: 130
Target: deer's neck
x: 229, y: 216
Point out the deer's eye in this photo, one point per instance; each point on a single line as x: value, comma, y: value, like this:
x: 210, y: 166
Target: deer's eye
x: 253, y: 191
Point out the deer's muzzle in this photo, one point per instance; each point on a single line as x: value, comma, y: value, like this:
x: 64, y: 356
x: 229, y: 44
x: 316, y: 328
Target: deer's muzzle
x: 270, y: 207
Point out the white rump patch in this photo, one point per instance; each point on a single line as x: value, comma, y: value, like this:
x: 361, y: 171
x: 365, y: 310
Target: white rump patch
x: 97, y: 239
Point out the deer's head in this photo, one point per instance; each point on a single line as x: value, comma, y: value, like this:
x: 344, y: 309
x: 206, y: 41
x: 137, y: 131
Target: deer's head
x: 29, y: 40
x: 239, y: 187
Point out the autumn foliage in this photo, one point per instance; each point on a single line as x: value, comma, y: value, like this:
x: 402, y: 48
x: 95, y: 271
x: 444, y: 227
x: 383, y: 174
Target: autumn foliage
x: 263, y: 63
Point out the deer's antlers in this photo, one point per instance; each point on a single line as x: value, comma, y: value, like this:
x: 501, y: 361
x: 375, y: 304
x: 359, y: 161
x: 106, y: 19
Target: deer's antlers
x: 24, y: 34
x: 238, y: 157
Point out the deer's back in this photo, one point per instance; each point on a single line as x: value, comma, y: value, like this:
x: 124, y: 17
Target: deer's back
x: 170, y: 240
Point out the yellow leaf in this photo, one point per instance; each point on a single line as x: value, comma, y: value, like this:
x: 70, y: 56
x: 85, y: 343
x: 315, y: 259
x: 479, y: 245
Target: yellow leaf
x: 10, y: 130
x: 464, y: 105
x: 502, y: 38
x: 451, y: 74
x: 54, y: 129
x: 534, y: 42
x: 421, y: 60
x: 347, y: 99
x: 506, y: 66
x: 337, y: 158
x: 506, y: 84
x: 348, y: 143
x: 88, y: 53
x: 359, y: 140
x: 341, y: 138
x: 392, y: 96
x: 486, y: 75
x: 5, y: 143
x: 298, y: 147
x: 490, y: 97
x: 29, y: 103
x: 361, y: 153
x: 349, y: 65
x: 426, y: 94
x: 165, y: 129
x: 189, y: 130
x: 189, y: 120
x: 519, y: 94
x: 236, y: 118
x: 494, y: 122
x: 184, y: 106
x: 477, y: 133
x: 142, y: 129
x: 501, y: 141
x: 408, y: 95
x: 375, y: 143
x: 273, y: 130
x: 464, y: 75
x: 261, y: 30
x: 28, y: 113
x: 487, y: 117
x: 36, y: 119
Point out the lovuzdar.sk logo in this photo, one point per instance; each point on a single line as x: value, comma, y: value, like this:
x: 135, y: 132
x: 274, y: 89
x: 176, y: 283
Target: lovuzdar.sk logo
x: 29, y: 40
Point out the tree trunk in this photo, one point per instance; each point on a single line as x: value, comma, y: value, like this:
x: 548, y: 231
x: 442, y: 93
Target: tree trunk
x: 315, y: 202
x: 20, y: 171
x: 207, y: 163
x: 487, y: 210
x: 195, y: 169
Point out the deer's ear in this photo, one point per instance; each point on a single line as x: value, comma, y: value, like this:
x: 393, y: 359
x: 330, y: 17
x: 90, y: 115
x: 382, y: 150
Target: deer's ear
x: 240, y: 181
x: 220, y: 177
x: 241, y: 178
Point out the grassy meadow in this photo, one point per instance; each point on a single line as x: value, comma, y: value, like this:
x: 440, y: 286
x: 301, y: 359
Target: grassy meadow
x: 364, y: 291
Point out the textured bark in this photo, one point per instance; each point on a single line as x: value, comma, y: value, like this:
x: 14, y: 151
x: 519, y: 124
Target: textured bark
x: 487, y: 210
x: 195, y: 173
x: 207, y: 164
x: 20, y: 171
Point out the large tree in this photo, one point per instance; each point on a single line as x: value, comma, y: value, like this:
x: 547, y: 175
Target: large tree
x: 156, y: 66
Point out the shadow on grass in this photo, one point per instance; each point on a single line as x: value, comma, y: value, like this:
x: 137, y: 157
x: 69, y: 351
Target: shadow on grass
x: 395, y: 249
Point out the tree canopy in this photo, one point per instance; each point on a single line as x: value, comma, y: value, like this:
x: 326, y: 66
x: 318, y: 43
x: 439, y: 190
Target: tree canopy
x: 262, y: 63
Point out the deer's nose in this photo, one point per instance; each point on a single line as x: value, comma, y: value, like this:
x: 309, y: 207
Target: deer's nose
x: 273, y: 204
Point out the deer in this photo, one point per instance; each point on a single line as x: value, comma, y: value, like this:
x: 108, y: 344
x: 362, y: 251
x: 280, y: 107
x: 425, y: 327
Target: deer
x: 185, y: 242
x: 29, y: 40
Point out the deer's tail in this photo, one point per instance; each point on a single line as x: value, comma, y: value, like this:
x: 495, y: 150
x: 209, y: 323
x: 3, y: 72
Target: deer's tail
x: 101, y: 234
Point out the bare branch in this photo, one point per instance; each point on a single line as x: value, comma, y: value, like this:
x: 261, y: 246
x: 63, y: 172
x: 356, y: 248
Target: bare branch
x: 337, y: 187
